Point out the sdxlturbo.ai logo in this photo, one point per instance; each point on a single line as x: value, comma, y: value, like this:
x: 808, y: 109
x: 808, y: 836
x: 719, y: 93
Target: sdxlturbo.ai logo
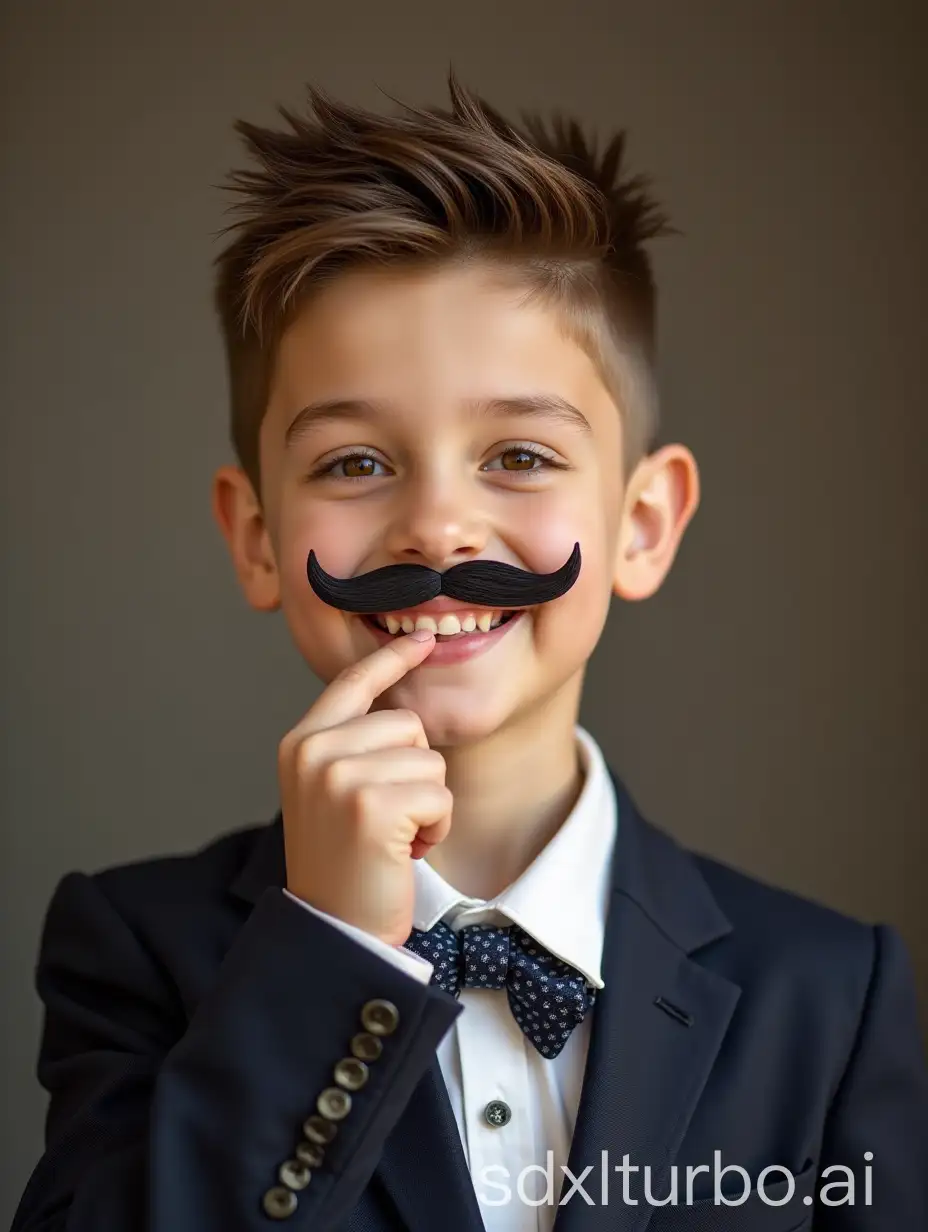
x: 775, y: 1185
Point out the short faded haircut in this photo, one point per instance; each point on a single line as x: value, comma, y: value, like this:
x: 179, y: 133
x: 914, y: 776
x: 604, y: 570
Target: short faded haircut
x: 343, y: 188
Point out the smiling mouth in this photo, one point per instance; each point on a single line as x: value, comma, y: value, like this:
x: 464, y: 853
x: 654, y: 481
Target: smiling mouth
x: 466, y: 628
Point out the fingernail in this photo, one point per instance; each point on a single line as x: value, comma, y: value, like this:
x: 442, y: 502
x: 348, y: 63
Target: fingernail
x: 421, y: 635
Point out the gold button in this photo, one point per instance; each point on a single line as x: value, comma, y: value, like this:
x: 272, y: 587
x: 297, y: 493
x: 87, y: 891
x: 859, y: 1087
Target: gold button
x: 334, y: 1103
x: 366, y: 1047
x: 380, y: 1017
x: 294, y: 1174
x: 318, y: 1129
x: 279, y: 1203
x: 310, y: 1153
x: 351, y: 1073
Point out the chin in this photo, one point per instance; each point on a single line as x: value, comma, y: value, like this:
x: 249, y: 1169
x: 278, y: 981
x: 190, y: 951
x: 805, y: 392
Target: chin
x: 447, y: 732
x: 450, y: 721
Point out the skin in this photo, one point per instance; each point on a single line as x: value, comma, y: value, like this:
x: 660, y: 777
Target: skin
x: 445, y: 487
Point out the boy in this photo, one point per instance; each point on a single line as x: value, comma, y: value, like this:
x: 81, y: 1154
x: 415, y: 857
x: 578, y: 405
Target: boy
x: 458, y: 981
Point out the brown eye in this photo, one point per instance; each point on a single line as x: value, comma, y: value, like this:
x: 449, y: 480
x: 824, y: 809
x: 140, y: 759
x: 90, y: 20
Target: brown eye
x: 361, y: 465
x: 521, y: 460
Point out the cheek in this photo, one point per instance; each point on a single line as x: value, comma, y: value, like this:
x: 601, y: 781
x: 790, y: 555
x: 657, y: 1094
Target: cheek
x: 570, y: 627
x: 554, y: 531
x: 567, y: 629
x: 319, y: 631
x: 337, y: 549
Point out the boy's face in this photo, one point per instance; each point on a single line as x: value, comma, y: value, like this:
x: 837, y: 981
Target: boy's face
x: 418, y: 473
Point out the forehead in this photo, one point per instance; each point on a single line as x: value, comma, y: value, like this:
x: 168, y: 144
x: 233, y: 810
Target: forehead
x: 436, y: 337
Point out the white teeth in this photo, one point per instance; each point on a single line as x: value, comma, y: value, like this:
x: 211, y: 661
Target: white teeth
x: 448, y: 625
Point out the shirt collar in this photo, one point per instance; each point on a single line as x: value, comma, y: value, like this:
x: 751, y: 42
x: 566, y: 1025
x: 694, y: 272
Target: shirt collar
x: 562, y: 897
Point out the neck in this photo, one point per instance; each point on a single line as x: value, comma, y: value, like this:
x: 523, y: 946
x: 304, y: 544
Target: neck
x: 512, y: 792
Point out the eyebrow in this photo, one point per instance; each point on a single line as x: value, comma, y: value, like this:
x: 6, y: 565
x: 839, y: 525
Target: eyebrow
x: 539, y: 406
x: 340, y: 410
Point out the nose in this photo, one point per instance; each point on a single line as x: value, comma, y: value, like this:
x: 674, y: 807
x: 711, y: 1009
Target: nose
x: 437, y: 523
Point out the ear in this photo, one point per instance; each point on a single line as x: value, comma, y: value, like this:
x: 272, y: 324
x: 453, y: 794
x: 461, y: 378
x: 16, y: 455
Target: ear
x: 661, y: 497
x: 239, y: 515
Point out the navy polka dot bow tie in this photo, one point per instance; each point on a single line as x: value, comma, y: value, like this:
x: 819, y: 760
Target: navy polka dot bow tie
x: 547, y: 997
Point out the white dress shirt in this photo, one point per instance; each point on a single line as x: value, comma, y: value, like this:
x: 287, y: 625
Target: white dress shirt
x: 561, y: 900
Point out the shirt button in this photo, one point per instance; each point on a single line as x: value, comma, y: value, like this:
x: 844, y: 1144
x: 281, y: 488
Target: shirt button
x: 497, y: 1113
x: 279, y: 1203
x: 380, y: 1017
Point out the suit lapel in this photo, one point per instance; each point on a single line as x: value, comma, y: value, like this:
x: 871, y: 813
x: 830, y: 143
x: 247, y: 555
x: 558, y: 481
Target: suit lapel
x: 657, y: 1028
x: 423, y: 1167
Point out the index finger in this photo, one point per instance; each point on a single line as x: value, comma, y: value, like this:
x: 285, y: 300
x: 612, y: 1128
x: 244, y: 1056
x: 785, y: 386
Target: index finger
x: 352, y: 692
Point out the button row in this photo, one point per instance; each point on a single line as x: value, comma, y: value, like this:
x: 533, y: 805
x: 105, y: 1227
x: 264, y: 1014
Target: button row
x: 378, y: 1018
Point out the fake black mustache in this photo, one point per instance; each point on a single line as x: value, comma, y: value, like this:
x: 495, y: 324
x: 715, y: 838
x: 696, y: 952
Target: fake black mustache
x: 485, y: 583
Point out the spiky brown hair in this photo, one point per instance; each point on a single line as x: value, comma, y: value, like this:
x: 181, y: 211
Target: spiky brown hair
x: 346, y: 187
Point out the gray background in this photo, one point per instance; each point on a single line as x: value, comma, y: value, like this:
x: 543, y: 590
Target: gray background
x: 766, y: 706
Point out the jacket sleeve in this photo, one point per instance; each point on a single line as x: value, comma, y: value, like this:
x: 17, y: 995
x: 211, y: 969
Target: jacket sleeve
x: 877, y: 1128
x: 157, y: 1124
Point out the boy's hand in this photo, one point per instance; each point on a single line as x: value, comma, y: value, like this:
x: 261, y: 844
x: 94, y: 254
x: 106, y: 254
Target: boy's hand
x: 362, y: 795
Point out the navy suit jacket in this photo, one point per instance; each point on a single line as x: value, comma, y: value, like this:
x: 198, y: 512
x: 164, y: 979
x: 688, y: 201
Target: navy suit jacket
x: 193, y: 1014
